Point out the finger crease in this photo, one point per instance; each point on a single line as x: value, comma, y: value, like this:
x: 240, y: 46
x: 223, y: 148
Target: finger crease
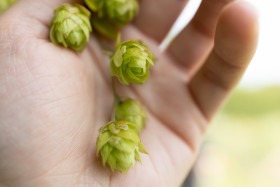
x: 200, y: 28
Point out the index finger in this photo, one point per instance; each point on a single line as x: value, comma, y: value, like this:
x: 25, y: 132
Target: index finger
x: 156, y: 17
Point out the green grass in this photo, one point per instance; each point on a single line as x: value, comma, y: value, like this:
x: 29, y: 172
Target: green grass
x: 242, y: 147
x: 252, y: 103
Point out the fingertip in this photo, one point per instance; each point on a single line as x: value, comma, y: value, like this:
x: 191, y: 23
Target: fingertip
x: 239, y: 18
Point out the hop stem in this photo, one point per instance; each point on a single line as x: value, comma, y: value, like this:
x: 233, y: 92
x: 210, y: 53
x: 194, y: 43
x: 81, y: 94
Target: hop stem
x: 116, y: 99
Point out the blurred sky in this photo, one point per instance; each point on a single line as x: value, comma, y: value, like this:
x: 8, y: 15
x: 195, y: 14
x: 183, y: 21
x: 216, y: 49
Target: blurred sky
x: 265, y: 67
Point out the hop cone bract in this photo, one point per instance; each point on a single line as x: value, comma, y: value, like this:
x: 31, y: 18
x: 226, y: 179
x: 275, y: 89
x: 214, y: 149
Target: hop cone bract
x: 131, y: 62
x: 71, y: 26
x: 119, y: 145
x: 132, y: 111
x: 5, y: 4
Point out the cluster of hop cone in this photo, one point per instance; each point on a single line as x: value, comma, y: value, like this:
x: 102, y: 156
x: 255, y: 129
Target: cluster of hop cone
x: 118, y: 142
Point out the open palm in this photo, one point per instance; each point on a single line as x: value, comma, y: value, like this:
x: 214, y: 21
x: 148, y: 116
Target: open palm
x: 53, y: 100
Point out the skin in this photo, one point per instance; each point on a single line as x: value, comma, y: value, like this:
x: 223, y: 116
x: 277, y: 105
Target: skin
x: 53, y: 100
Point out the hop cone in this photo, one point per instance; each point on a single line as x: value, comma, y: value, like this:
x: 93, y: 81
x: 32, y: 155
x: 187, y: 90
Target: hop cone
x: 131, y: 62
x: 119, y: 12
x: 132, y: 111
x: 119, y: 145
x: 71, y: 26
x: 5, y: 4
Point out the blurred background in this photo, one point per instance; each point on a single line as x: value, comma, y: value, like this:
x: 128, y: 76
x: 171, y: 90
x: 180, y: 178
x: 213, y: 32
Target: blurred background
x: 242, y: 148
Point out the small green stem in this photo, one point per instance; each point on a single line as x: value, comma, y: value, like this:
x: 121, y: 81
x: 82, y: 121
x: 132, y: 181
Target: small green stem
x: 116, y: 98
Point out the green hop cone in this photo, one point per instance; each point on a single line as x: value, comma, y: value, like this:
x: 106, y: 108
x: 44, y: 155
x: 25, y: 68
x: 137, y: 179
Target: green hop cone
x: 131, y: 62
x: 119, y: 12
x: 5, y: 4
x: 119, y: 145
x: 132, y: 111
x: 71, y: 26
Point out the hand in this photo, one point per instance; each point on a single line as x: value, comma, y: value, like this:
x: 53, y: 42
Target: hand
x: 53, y: 100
